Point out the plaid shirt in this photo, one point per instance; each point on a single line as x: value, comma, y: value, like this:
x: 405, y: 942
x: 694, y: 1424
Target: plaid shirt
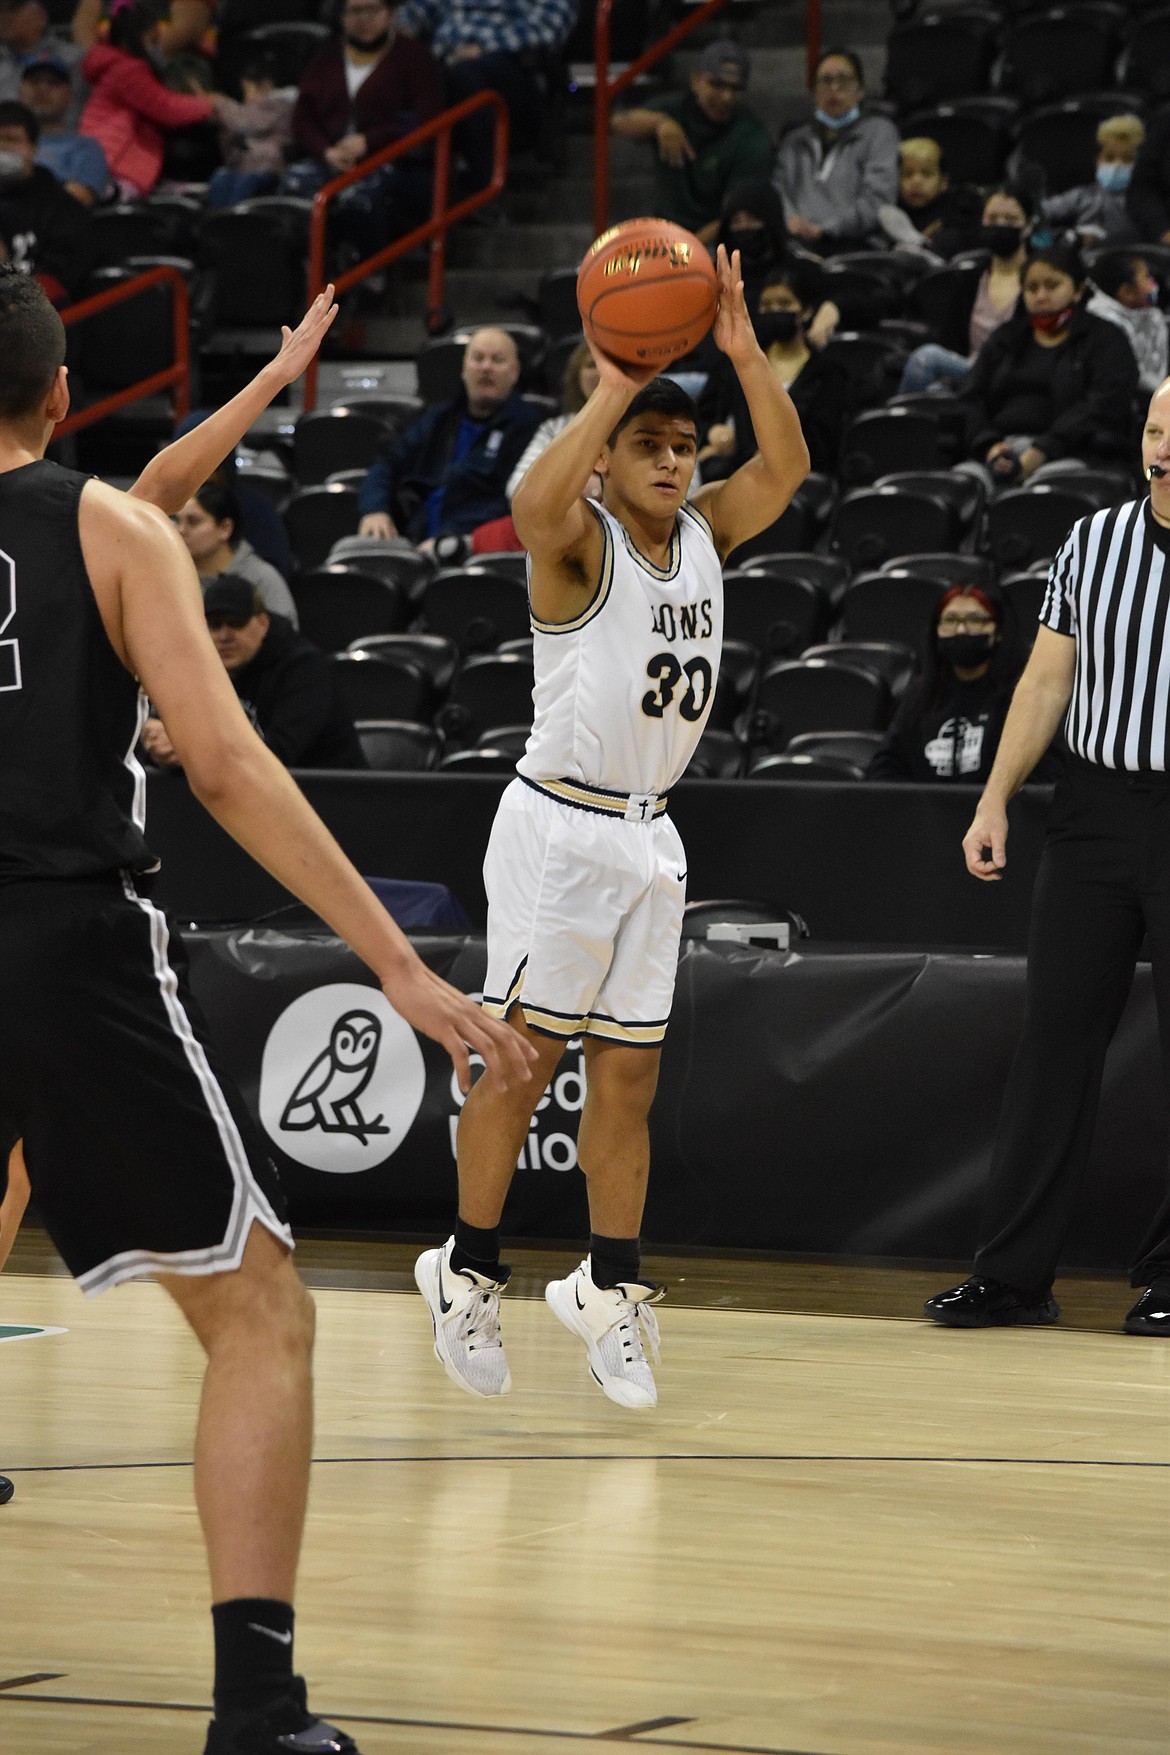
x: 507, y: 26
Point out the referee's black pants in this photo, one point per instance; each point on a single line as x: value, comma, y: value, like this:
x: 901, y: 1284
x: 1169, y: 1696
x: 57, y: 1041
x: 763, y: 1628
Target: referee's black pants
x: 1103, y: 882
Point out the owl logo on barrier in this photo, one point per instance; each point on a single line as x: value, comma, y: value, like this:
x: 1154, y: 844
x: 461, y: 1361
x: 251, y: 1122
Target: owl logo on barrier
x: 327, y: 1095
x: 342, y: 1079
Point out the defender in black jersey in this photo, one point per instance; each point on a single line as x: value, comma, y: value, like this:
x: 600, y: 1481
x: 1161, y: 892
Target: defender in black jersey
x: 140, y: 1153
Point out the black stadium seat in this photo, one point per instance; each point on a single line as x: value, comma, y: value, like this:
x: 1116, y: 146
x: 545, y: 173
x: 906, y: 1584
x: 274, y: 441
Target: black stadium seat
x: 128, y: 229
x: 849, y: 746
x: 315, y: 518
x: 1030, y: 523
x: 1062, y: 137
x: 1024, y: 593
x: 881, y: 439
x: 557, y: 297
x: 940, y: 55
x: 718, y: 756
x: 974, y: 140
x: 394, y: 560
x: 337, y: 606
x: 398, y: 746
x: 943, y: 569
x: 829, y: 573
x: 289, y: 43
x: 889, y: 606
x: 480, y: 760
x: 1147, y: 62
x: 816, y: 695
x: 779, y: 616
x: 794, y: 530
x: 894, y: 660
x: 437, y: 656
x: 966, y: 493
x: 805, y: 767
x: 478, y: 610
x: 512, y: 738
x: 1063, y: 50
x: 492, y: 689
x: 254, y: 257
x: 871, y: 524
x: 329, y: 439
x: 381, y: 688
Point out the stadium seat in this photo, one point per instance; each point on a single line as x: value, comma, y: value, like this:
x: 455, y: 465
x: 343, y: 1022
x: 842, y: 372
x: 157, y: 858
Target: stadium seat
x: 1063, y: 51
x: 974, y: 142
x: 336, y: 606
x: 556, y: 362
x: 557, y: 303
x: 116, y: 347
x: 850, y: 746
x: 894, y: 660
x: 739, y: 666
x: 862, y: 293
x: 940, y: 55
x: 1147, y: 58
x: 873, y: 363
x: 476, y: 609
x: 881, y: 439
x: 179, y: 216
x: 392, y: 560
x: 1030, y: 523
x: 943, y: 569
x: 871, y: 524
x: 507, y: 564
x: 128, y: 228
x: 397, y: 411
x: 1024, y: 593
x: 805, y: 767
x: 794, y: 530
x: 253, y: 256
x: 816, y: 695
x: 290, y: 43
x: 478, y: 761
x: 398, y: 746
x: 511, y: 738
x: 966, y: 493
x: 829, y: 573
x: 315, y: 518
x: 889, y: 606
x: 779, y: 616
x: 718, y: 755
x: 380, y: 688
x: 435, y: 655
x: 490, y: 689
x: 235, y: 16
x: 331, y: 439
x: 1062, y: 137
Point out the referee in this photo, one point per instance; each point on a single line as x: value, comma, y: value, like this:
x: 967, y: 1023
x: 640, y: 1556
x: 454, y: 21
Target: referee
x: 1102, y: 663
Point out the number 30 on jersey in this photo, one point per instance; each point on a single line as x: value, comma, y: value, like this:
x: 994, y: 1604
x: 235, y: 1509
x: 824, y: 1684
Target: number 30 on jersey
x: 10, y: 677
x: 668, y: 673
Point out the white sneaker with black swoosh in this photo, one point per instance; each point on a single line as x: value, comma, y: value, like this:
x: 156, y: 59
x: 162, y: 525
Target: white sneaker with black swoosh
x: 611, y: 1321
x: 465, y: 1311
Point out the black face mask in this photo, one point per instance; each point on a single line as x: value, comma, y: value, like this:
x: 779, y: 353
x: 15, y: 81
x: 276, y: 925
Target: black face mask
x: 369, y: 47
x: 1001, y: 240
x: 966, y: 650
x: 751, y: 242
x: 781, y: 326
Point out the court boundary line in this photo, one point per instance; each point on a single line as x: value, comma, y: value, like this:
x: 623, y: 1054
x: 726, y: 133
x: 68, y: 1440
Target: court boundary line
x: 666, y: 1456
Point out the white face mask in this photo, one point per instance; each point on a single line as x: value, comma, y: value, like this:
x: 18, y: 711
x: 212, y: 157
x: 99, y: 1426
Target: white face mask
x: 12, y: 169
x: 835, y: 122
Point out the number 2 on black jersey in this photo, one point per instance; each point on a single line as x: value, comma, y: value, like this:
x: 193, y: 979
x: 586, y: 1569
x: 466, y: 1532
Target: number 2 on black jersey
x: 10, y: 677
x: 665, y: 669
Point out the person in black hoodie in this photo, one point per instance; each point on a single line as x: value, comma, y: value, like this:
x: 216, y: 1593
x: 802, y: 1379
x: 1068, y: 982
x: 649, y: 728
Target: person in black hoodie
x: 285, y: 683
x: 817, y: 384
x: 948, y: 725
x: 752, y: 222
x: 1053, y: 385
x: 43, y: 230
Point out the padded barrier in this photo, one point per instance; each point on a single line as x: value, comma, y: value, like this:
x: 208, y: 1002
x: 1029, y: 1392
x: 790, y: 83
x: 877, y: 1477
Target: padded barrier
x: 828, y: 1101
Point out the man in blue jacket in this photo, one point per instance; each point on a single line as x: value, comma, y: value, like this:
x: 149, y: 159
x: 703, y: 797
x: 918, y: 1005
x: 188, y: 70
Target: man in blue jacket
x: 448, y: 472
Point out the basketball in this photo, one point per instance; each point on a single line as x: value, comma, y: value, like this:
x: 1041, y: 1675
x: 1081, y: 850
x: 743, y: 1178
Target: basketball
x: 647, y: 292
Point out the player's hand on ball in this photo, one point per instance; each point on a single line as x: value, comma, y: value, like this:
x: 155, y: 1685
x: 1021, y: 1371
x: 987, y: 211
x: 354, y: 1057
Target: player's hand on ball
x: 732, y: 331
x: 617, y: 374
x: 300, y: 344
x: 985, y: 843
x: 430, y: 1004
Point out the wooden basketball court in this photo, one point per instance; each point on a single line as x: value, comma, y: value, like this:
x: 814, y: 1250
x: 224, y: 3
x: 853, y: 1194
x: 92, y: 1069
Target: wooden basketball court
x: 842, y: 1532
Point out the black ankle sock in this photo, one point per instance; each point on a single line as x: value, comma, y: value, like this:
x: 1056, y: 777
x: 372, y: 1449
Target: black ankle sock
x: 476, y: 1247
x: 253, y: 1653
x: 614, y: 1261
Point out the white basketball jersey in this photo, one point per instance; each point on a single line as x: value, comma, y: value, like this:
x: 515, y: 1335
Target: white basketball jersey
x: 623, y: 692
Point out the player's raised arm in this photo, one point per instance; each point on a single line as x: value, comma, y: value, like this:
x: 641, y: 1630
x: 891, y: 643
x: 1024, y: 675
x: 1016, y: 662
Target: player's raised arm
x: 754, y: 497
x: 170, y: 479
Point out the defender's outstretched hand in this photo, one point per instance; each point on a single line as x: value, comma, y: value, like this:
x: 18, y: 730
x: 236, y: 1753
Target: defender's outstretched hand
x: 440, y: 1011
x: 732, y: 332
x: 300, y: 344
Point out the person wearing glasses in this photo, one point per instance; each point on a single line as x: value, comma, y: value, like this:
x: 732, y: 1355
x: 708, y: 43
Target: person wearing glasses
x: 948, y: 725
x: 836, y: 172
x: 707, y: 140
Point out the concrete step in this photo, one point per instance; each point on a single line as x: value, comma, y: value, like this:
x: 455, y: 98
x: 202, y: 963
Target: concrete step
x: 517, y: 245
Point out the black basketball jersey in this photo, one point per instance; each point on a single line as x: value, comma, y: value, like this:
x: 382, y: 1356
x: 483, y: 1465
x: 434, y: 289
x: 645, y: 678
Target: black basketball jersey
x: 72, y: 795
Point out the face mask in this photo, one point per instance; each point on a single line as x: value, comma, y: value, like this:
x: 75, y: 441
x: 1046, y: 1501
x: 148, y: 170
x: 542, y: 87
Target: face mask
x: 782, y: 326
x: 1052, y: 322
x: 1001, y: 240
x: 836, y: 122
x: 1114, y: 177
x: 12, y: 169
x: 751, y: 241
x: 368, y: 47
x: 1151, y: 293
x: 966, y: 650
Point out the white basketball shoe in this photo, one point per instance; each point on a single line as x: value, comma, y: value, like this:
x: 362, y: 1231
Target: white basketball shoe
x: 611, y: 1322
x: 465, y: 1311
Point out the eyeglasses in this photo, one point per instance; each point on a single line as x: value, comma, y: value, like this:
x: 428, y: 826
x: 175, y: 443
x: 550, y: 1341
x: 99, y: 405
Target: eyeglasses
x: 974, y: 624
x: 844, y: 80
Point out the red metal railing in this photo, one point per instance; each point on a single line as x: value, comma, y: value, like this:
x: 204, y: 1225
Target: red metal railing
x: 607, y: 89
x: 434, y: 229
x: 176, y: 376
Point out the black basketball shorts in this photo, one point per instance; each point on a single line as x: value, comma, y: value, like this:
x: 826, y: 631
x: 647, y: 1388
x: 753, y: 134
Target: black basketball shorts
x: 141, y: 1154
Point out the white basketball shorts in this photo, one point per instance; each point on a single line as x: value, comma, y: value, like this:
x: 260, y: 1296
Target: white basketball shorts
x: 584, y: 918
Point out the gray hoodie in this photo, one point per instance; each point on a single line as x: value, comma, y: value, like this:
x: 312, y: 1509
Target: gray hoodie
x: 840, y: 187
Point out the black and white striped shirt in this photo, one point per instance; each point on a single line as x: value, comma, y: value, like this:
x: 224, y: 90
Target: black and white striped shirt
x: 1109, y: 589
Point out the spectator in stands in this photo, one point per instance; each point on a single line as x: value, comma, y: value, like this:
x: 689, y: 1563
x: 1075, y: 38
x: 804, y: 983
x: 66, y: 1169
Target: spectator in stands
x: 1054, y: 388
x: 356, y: 96
x: 836, y: 171
x: 752, y: 222
x: 185, y: 29
x: 43, y: 230
x: 494, y: 45
x: 984, y: 300
x: 1148, y: 195
x: 1127, y: 293
x: 1097, y: 211
x: 286, y: 684
x: 209, y: 524
x: 255, y: 137
x: 931, y: 217
x: 580, y: 381
x: 260, y: 521
x: 76, y: 160
x: 815, y: 381
x: 25, y: 33
x: 449, y: 471
x: 949, y: 722
x: 707, y: 142
x: 129, y: 108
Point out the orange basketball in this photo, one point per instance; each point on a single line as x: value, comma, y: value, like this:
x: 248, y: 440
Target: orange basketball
x: 647, y: 292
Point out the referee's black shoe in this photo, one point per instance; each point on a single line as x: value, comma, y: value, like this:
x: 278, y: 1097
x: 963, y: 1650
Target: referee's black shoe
x: 286, y: 1727
x: 6, y: 1489
x: 980, y: 1303
x: 1151, y: 1314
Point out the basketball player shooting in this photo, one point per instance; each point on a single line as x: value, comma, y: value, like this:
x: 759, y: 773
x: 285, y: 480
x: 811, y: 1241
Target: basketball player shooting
x: 150, y: 1162
x: 585, y: 873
